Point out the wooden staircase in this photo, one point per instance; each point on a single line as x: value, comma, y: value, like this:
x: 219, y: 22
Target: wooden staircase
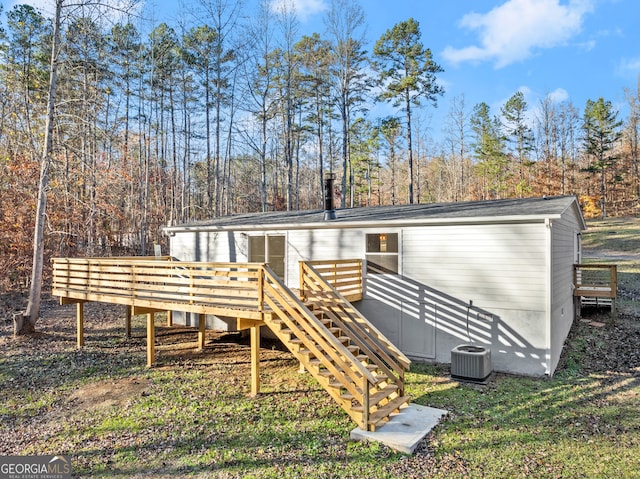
x: 359, y: 368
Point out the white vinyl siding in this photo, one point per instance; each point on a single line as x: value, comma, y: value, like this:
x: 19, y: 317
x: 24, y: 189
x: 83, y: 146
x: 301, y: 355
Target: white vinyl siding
x: 209, y: 246
x: 496, y: 266
x: 562, y: 312
x: 317, y: 245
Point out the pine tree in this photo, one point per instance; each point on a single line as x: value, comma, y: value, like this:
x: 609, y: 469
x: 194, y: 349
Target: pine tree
x: 489, y: 150
x: 345, y: 23
x: 519, y: 134
x: 26, y: 323
x: 390, y: 130
x: 314, y: 58
x: 602, y: 131
x: 407, y: 73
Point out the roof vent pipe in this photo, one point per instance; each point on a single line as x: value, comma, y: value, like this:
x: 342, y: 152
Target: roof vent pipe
x: 329, y: 210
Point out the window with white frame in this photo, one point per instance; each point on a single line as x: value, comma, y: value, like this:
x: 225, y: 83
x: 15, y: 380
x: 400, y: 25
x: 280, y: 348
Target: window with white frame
x: 382, y: 253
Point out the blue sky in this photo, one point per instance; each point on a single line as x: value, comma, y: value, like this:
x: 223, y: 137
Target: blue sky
x: 490, y: 49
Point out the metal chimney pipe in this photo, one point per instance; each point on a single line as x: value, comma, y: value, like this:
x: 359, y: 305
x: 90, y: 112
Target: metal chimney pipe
x: 329, y: 210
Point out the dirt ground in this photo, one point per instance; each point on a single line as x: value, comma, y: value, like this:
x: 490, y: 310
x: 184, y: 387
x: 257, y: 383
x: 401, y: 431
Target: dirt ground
x: 104, y: 328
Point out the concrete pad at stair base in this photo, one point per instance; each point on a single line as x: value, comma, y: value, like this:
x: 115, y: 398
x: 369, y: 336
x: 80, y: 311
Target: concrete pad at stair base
x: 404, y: 430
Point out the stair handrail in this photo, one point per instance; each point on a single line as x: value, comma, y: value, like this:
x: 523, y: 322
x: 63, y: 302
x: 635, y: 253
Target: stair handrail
x: 359, y: 320
x: 375, y: 353
x: 311, y: 320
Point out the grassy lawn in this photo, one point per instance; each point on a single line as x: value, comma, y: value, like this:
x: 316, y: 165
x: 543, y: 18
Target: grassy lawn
x: 617, y: 241
x: 614, y: 235
x: 192, y: 415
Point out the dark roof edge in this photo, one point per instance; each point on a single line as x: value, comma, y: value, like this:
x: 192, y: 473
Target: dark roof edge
x: 370, y: 223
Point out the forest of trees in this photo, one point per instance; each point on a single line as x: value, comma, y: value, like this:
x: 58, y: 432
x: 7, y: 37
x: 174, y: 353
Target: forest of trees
x: 236, y: 111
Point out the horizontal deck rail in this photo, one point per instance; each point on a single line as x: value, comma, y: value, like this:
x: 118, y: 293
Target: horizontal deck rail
x: 595, y: 284
x: 345, y: 276
x: 595, y: 280
x: 223, y: 289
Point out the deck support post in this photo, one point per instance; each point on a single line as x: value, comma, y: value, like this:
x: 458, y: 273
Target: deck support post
x: 80, y: 323
x: 151, y: 339
x: 201, y: 330
x: 127, y: 321
x: 255, y: 360
x: 169, y: 318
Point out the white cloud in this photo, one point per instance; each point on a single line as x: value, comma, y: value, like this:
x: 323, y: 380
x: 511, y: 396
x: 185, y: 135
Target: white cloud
x: 303, y: 8
x: 558, y: 95
x: 629, y: 66
x: 512, y: 31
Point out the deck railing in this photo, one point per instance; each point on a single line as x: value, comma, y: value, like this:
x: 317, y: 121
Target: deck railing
x: 206, y: 288
x: 596, y: 284
x: 595, y: 280
x: 345, y: 276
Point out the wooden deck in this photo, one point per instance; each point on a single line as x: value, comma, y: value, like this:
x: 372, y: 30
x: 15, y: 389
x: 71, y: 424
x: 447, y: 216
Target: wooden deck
x: 595, y: 285
x: 350, y: 358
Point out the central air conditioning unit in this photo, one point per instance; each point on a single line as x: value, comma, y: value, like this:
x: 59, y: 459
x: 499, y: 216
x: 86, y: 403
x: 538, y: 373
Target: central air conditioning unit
x: 471, y: 363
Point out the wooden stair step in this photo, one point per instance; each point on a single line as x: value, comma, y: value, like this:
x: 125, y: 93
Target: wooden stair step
x: 380, y: 378
x: 277, y: 322
x: 338, y: 385
x: 383, y: 393
x: 380, y: 416
x: 297, y: 341
x: 317, y: 363
x: 380, y: 395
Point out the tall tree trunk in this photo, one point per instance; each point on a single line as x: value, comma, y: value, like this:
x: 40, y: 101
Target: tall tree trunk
x: 26, y: 323
x: 409, y: 146
x: 174, y: 153
x: 345, y: 156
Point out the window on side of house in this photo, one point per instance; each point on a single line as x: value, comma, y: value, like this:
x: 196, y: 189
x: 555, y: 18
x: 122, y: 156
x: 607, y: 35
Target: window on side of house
x: 257, y: 249
x: 268, y: 249
x: 382, y: 253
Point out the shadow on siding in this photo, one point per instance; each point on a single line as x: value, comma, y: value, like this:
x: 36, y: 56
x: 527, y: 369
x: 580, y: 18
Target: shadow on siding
x: 423, y: 311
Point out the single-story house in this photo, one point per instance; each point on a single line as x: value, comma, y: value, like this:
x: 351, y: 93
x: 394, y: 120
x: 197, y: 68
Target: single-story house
x: 495, y: 273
